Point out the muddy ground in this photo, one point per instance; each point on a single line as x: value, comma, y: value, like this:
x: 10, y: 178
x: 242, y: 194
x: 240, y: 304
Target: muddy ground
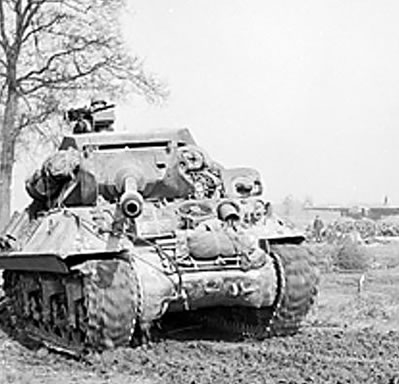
x: 350, y: 337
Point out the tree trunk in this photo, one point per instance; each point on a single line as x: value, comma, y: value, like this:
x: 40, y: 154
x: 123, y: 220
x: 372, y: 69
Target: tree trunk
x: 7, y: 154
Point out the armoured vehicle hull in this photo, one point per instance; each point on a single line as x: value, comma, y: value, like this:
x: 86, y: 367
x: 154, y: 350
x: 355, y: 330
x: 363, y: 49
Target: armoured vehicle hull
x: 126, y: 229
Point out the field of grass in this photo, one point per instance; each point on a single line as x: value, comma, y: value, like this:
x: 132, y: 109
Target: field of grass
x: 360, y: 298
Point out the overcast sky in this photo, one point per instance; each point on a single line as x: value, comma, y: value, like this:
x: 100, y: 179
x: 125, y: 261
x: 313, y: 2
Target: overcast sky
x: 305, y: 91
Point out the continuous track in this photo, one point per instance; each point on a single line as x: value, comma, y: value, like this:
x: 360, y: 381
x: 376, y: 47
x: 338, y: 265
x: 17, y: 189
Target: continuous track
x: 297, y: 287
x: 93, y: 308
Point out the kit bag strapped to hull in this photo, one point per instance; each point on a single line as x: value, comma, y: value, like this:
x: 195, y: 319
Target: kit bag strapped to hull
x: 212, y: 239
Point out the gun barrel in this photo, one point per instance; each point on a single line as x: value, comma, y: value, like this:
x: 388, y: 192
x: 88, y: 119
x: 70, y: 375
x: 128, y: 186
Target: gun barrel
x: 131, y: 201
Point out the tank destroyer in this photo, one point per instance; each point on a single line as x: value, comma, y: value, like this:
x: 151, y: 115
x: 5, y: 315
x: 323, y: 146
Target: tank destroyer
x: 125, y: 229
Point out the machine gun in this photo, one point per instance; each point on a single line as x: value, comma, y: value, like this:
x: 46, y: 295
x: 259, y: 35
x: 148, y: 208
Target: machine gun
x: 99, y: 117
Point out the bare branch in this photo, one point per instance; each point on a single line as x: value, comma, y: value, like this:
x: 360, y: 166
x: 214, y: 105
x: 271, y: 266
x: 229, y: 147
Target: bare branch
x: 42, y: 27
x: 30, y: 11
x: 77, y: 7
x: 64, y: 81
x: 32, y: 119
x: 80, y: 38
x: 52, y: 59
x: 19, y: 27
x: 4, y: 40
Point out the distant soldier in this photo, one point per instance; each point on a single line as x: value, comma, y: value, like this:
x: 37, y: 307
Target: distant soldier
x: 317, y: 228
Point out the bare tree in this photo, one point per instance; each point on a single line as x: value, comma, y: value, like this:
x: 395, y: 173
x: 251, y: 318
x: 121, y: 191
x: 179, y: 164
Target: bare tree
x: 53, y: 46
